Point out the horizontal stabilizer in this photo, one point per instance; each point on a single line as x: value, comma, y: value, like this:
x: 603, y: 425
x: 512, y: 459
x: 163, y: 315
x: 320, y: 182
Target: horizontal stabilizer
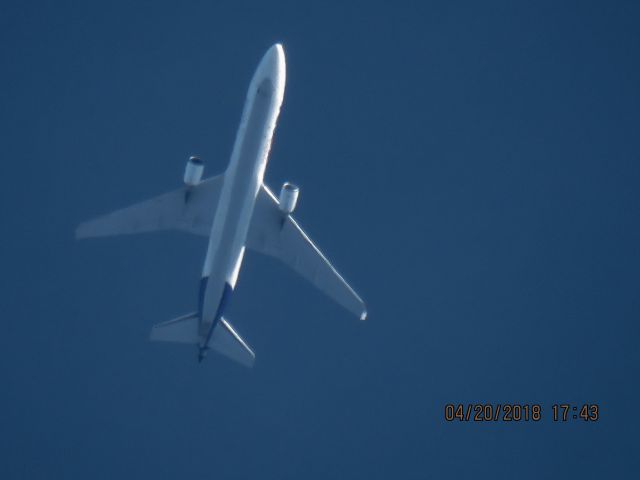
x: 181, y: 330
x: 224, y: 339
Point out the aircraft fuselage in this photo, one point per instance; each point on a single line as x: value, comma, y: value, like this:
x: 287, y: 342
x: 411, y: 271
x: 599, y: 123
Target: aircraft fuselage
x: 242, y: 181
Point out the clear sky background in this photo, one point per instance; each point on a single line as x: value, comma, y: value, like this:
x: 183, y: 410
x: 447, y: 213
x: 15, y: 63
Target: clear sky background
x: 471, y: 167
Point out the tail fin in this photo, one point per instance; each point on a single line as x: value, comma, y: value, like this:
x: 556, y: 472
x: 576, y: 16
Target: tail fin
x: 224, y: 339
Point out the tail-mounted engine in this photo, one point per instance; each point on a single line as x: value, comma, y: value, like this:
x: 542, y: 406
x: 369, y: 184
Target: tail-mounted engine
x: 288, y: 197
x: 193, y: 171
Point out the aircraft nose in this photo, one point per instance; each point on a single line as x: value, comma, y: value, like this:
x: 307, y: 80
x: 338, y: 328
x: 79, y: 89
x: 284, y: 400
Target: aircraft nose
x: 272, y: 64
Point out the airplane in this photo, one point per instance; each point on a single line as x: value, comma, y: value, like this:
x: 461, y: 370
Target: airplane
x: 237, y: 211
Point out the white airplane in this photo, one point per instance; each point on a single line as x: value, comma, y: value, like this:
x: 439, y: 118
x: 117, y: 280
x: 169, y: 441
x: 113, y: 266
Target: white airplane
x: 237, y: 211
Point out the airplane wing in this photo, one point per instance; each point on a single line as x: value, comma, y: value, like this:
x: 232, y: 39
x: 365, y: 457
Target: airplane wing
x: 189, y: 210
x: 278, y: 235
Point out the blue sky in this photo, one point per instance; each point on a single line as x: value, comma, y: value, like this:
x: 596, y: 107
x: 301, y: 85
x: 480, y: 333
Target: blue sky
x: 471, y: 168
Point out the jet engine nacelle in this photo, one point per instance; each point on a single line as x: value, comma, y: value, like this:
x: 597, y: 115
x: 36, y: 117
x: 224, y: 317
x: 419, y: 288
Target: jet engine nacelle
x: 193, y: 171
x: 288, y: 197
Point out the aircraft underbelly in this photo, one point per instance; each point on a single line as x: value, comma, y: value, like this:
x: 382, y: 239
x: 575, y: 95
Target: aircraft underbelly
x: 233, y: 216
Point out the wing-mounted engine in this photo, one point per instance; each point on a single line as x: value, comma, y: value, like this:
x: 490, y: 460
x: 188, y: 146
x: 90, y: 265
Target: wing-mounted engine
x: 288, y: 198
x: 192, y: 175
x: 193, y: 171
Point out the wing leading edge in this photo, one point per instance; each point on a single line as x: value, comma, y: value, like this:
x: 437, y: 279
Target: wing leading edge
x: 278, y: 235
x: 190, y: 210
